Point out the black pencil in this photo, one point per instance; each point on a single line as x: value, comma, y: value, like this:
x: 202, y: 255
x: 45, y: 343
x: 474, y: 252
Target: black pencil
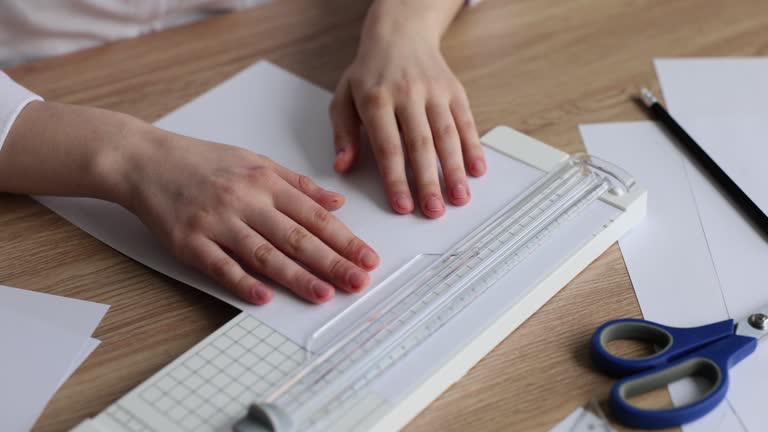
x: 737, y: 196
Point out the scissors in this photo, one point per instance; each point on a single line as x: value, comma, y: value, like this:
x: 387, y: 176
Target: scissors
x: 705, y: 352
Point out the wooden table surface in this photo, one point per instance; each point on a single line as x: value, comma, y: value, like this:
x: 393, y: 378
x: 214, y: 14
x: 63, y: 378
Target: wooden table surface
x: 540, y: 66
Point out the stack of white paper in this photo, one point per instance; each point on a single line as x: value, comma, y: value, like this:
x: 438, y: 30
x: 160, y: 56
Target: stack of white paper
x: 695, y: 259
x: 43, y: 339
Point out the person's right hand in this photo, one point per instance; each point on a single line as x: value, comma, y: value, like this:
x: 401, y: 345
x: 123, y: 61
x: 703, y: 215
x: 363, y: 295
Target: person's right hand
x: 228, y: 212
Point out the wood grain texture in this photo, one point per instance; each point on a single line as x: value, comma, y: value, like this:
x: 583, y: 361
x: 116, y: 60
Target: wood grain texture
x: 540, y: 66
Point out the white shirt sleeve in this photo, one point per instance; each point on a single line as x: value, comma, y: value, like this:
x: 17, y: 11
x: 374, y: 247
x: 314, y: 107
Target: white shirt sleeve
x: 13, y: 98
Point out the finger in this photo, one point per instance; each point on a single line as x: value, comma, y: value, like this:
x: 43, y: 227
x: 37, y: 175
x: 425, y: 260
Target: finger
x: 346, y: 127
x: 262, y: 257
x: 448, y: 147
x: 421, y: 154
x: 470, y: 140
x: 328, y: 199
x: 207, y: 256
x: 379, y: 120
x: 326, y: 227
x: 298, y: 243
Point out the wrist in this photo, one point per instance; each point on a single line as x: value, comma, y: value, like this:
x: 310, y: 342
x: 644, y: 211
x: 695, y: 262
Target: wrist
x: 118, y: 164
x: 388, y: 22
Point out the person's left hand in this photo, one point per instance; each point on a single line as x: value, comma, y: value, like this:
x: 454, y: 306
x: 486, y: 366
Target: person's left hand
x: 400, y: 83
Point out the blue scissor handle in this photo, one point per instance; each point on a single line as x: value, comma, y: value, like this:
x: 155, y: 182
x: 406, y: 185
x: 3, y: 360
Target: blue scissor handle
x: 672, y: 342
x: 707, y: 352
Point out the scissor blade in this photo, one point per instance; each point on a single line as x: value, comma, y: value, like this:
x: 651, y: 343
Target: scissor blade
x: 755, y: 324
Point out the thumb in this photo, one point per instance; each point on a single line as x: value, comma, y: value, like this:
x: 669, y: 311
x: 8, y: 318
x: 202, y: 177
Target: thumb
x: 346, y: 128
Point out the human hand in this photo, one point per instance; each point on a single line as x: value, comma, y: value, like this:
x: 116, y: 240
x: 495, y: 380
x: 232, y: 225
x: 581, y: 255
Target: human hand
x: 400, y: 83
x: 227, y: 211
x: 218, y: 208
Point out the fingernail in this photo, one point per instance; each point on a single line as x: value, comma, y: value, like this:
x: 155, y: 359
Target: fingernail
x: 357, y: 280
x: 321, y: 290
x: 261, y: 295
x: 402, y: 202
x: 369, y: 258
x: 338, y: 163
x: 478, y: 167
x: 433, y: 204
x: 335, y: 197
x: 460, y: 192
x: 331, y: 200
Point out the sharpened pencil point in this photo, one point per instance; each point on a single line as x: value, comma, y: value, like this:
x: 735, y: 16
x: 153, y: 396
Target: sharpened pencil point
x: 647, y: 97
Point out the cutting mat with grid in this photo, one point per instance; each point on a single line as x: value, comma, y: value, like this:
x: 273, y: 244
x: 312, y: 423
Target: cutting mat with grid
x: 210, y: 387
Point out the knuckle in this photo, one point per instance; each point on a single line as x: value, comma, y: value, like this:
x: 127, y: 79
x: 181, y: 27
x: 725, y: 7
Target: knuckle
x: 454, y: 170
x: 321, y: 217
x: 473, y: 148
x: 376, y: 98
x: 336, y: 268
x: 261, y: 159
x: 179, y: 247
x: 389, y: 152
x: 465, y: 123
x: 196, y: 223
x: 261, y: 174
x: 356, y: 82
x: 353, y: 246
x: 396, y: 185
x: 409, y: 88
x: 421, y: 144
x: 445, y: 82
x: 248, y: 238
x: 226, y: 192
x: 297, y: 239
x: 261, y: 255
x: 445, y: 131
x: 302, y: 281
x: 428, y: 187
x: 221, y: 267
x: 241, y: 283
x: 451, y: 85
x: 458, y: 90
x: 305, y: 184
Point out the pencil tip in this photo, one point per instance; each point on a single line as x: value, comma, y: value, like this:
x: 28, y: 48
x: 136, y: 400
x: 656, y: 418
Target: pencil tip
x: 648, y: 97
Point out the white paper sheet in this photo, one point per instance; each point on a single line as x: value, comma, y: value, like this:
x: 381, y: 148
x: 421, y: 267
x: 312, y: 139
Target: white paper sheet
x: 739, y: 145
x: 666, y: 254
x: 89, y: 346
x: 44, y: 338
x: 714, y: 86
x: 272, y: 112
x: 688, y: 216
x: 722, y: 103
x: 76, y: 316
x: 36, y: 355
